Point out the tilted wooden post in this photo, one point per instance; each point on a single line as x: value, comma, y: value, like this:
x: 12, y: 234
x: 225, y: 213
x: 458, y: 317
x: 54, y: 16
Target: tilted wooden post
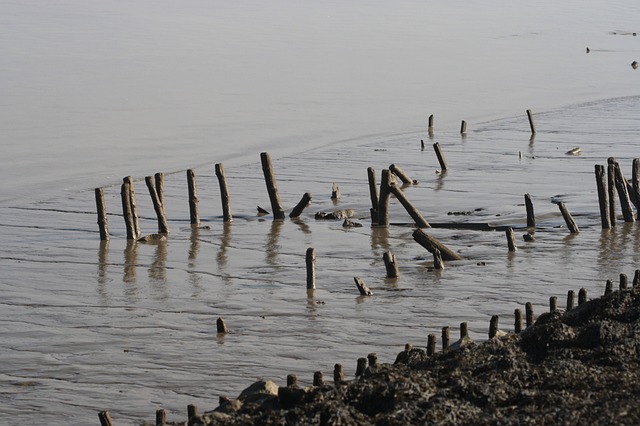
x: 134, y: 207
x: 224, y: 193
x: 405, y: 178
x: 159, y: 178
x: 103, y: 223
x: 194, y: 216
x: 511, y: 240
x: 531, y: 124
x: 440, y: 155
x: 438, y: 263
x: 623, y: 193
x: 417, y: 217
x: 571, y: 224
x: 362, y: 287
x: 163, y: 228
x: 603, y: 196
x: 272, y: 188
x: 430, y: 243
x: 105, y: 418
x: 302, y: 204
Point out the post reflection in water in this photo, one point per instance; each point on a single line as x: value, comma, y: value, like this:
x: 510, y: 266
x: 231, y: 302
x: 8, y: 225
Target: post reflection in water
x: 272, y: 247
x: 379, y: 240
x: 158, y: 271
x: 103, y: 254
x: 130, y: 265
x: 301, y: 223
x: 221, y: 257
x: 194, y: 249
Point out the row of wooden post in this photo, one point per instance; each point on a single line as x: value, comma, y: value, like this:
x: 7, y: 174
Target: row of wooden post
x: 463, y: 124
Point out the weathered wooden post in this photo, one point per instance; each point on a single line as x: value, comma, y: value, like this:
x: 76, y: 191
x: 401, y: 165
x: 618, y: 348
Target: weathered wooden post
x: 373, y: 193
x: 635, y: 181
x: 405, y: 178
x: 292, y: 380
x: 338, y: 375
x: 105, y: 418
x: 373, y: 359
x: 570, y: 299
x: 192, y: 411
x: 362, y: 287
x: 531, y: 124
x: 511, y: 239
x: 603, y: 196
x: 463, y: 127
x: 134, y: 206
x: 125, y: 195
x: 221, y: 326
x: 431, y: 344
x: 440, y: 155
x: 272, y: 188
x: 531, y: 218
x: 161, y: 417
x: 446, y: 336
x: 430, y: 127
x: 383, y: 202
x: 302, y: 204
x: 163, y: 228
x: 430, y: 243
x: 438, y: 263
x: 417, y: 217
x: 529, y: 313
x: 361, y: 366
x: 636, y: 278
x: 553, y: 304
x: 517, y: 325
x: 194, y: 216
x: 311, y: 268
x: 582, y: 296
x: 623, y: 282
x: 335, y: 191
x: 611, y: 189
x: 571, y: 224
x: 391, y: 264
x: 608, y: 287
x: 318, y: 378
x: 103, y: 223
x: 159, y: 178
x: 224, y: 193
x: 623, y: 193
x: 493, y: 326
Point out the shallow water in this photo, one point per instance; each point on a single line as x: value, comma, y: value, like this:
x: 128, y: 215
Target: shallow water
x: 131, y: 327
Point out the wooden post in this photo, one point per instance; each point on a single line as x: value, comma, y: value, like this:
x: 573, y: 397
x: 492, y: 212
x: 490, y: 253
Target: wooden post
x: 531, y: 124
x: 440, y: 155
x: 636, y: 278
x: 611, y: 189
x: 464, y: 331
x: 125, y: 195
x: 430, y: 243
x: 302, y: 204
x: 511, y: 240
x: 159, y: 178
x: 431, y: 344
x: 623, y: 193
x: 517, y: 326
x: 192, y: 411
x: 103, y: 223
x: 361, y: 366
x: 608, y: 287
x: 163, y: 228
x: 401, y: 174
x: 272, y: 188
x: 438, y: 263
x: 221, y: 326
x: 373, y: 359
x: 531, y: 218
x: 571, y: 224
x: 338, y: 374
x: 318, y: 378
x: 383, y: 202
x: 224, y: 193
x: 623, y: 282
x: 582, y: 296
x: 311, y: 268
x: 493, y: 326
x: 635, y: 181
x: 105, y: 418
x: 421, y: 144
x: 335, y: 191
x: 570, y: 299
x: 292, y: 380
x: 134, y: 206
x: 373, y: 193
x: 430, y: 128
x: 529, y: 313
x: 463, y: 127
x: 417, y: 217
x: 161, y: 417
x: 390, y: 264
x: 553, y: 304
x: 446, y: 336
x: 362, y: 287
x: 194, y: 216
x: 603, y: 196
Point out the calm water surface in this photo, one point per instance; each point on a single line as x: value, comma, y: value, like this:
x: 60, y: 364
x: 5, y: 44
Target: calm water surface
x: 95, y: 91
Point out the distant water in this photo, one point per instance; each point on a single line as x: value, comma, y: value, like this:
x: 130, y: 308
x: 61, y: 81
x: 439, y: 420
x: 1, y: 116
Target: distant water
x: 94, y: 91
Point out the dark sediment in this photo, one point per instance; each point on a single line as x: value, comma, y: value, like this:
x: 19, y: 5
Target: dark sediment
x: 576, y: 367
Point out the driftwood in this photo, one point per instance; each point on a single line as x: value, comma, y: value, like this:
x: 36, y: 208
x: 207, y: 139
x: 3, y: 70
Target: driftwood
x: 430, y: 243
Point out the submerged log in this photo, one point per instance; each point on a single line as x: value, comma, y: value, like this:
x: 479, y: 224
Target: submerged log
x: 430, y: 243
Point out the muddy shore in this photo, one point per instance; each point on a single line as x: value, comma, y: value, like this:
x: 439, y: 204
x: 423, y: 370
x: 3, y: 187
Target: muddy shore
x: 575, y: 367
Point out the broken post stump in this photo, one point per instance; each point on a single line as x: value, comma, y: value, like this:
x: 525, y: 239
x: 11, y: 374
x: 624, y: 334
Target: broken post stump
x: 361, y: 366
x: 103, y: 223
x: 224, y: 193
x: 529, y: 313
x: 608, y: 287
x: 430, y: 126
x: 134, y: 207
x: 582, y: 296
x: 531, y: 218
x: 570, y: 299
x: 440, y: 155
x: 161, y: 417
x: 553, y: 304
x: 635, y: 182
x: 511, y: 240
x: 302, y: 204
x: 194, y: 216
x: 318, y: 378
x: 571, y: 224
x: 311, y: 268
x: 335, y: 191
x: 373, y: 193
x: 373, y: 359
x: 531, y: 123
x: 463, y: 127
x: 391, y: 264
x: 623, y: 282
x: 125, y: 195
x: 362, y: 287
x: 603, y: 196
x: 430, y: 243
x: 400, y: 174
x: 338, y: 375
x: 383, y: 202
x: 292, y: 380
x: 623, y: 193
x: 417, y: 217
x: 431, y: 344
x: 493, y: 326
x: 163, y: 228
x: 272, y: 188
x: 517, y: 325
x: 446, y: 339
x: 438, y: 263
x: 192, y: 411
x: 636, y: 278
x: 221, y: 326
x: 105, y: 418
